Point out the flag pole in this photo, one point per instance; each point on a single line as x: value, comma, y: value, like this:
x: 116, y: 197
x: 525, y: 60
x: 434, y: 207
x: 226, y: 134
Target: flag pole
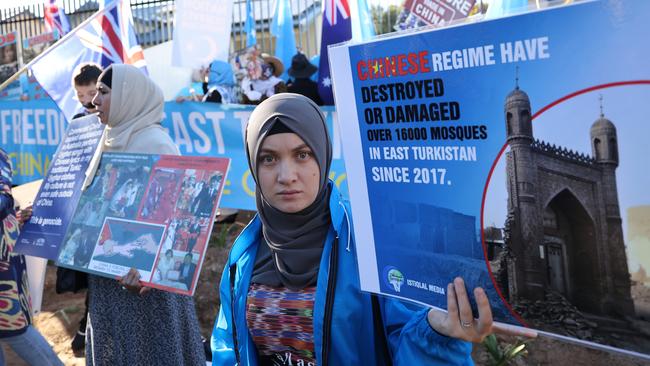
x: 50, y: 49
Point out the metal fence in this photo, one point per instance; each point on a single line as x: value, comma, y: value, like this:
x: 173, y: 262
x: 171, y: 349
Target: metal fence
x: 154, y: 21
x: 307, y: 19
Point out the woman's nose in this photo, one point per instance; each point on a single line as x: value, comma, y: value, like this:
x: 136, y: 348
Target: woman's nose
x: 287, y: 172
x: 95, y: 99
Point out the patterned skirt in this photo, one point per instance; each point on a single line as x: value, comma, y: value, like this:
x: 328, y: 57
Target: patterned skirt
x: 157, y: 328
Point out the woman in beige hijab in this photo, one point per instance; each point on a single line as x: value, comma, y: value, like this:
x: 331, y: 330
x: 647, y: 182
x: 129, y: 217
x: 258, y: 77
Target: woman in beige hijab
x: 129, y: 324
x: 131, y: 105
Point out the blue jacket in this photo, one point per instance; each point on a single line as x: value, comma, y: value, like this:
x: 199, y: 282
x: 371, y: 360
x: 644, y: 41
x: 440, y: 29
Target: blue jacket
x: 348, y: 319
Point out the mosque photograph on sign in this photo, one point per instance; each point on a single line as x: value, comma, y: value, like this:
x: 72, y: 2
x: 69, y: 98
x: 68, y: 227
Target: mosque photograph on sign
x: 566, y: 223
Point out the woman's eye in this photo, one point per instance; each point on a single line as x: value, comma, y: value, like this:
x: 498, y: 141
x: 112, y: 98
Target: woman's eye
x: 267, y: 159
x: 304, y: 155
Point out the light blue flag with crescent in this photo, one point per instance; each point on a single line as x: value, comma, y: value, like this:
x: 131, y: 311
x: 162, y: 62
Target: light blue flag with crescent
x: 499, y: 8
x: 249, y: 28
x: 202, y: 31
x: 365, y: 20
x: 282, y: 29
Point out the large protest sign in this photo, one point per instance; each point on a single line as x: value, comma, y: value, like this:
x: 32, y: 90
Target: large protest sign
x: 150, y: 212
x: 512, y: 153
x: 57, y: 198
x: 30, y: 132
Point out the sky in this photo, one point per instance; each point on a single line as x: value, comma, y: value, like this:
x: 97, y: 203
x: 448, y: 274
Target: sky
x: 8, y: 4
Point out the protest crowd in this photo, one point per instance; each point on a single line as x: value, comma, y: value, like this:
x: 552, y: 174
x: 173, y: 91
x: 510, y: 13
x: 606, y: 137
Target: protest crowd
x: 290, y: 291
x: 256, y: 80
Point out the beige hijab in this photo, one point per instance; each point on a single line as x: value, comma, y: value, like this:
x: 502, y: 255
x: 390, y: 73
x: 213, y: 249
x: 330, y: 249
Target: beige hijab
x: 136, y: 103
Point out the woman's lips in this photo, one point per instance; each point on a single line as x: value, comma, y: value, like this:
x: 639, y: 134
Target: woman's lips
x: 289, y: 193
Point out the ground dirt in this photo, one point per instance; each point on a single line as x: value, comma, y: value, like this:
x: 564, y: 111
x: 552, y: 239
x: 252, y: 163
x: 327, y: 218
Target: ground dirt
x: 59, y: 318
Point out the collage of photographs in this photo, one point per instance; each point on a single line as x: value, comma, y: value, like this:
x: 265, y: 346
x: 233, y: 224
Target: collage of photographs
x: 147, y: 216
x: 186, y: 212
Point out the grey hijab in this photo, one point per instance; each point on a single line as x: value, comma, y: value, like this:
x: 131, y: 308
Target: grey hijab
x: 293, y: 242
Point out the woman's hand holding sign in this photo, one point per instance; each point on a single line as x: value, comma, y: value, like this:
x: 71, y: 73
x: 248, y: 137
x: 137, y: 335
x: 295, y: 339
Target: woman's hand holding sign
x: 131, y: 282
x: 458, y: 321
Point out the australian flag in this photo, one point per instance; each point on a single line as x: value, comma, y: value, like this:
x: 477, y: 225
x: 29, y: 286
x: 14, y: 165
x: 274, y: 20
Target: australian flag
x: 337, y: 28
x: 108, y: 38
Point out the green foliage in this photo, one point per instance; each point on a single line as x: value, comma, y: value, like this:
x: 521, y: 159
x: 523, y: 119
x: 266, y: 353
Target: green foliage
x: 219, y: 240
x: 383, y: 18
x: 501, y: 355
x: 223, y: 233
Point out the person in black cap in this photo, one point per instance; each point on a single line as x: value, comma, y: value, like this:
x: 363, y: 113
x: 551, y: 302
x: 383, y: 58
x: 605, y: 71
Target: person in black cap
x: 301, y: 69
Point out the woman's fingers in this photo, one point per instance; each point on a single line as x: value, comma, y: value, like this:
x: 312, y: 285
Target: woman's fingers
x: 464, y: 323
x: 484, y: 326
x: 452, y: 303
x: 446, y: 323
x: 26, y: 213
x: 135, y: 273
x: 459, y: 322
x: 125, y: 281
x: 439, y: 321
x: 128, y: 279
x: 132, y: 280
x: 464, y: 307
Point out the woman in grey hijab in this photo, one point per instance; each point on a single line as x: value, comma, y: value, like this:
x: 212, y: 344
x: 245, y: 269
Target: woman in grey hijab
x: 290, y: 290
x: 294, y: 223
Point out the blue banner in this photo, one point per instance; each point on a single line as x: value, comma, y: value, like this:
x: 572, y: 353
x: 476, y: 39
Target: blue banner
x: 30, y: 132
